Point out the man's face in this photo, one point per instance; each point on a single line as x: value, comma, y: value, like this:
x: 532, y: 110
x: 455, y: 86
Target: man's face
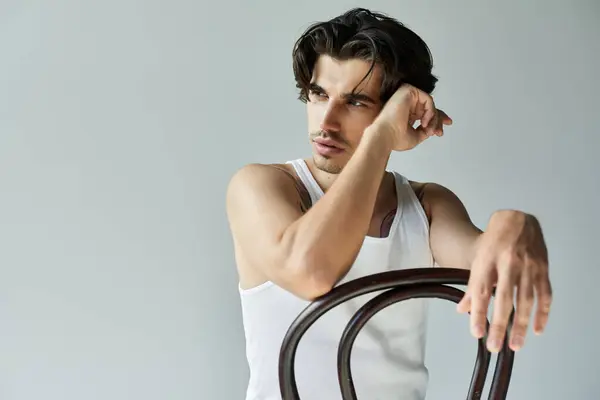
x: 338, y: 114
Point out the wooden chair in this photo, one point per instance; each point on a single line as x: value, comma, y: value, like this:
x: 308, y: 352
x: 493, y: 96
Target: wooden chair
x: 398, y: 286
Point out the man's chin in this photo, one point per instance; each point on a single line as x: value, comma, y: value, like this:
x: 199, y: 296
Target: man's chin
x: 328, y: 164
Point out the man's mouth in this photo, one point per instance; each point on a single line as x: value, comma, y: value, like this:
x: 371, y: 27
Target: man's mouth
x: 327, y: 147
x: 328, y: 143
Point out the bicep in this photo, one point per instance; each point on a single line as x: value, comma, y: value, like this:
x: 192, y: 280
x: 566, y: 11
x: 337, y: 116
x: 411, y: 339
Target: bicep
x: 452, y: 233
x: 262, y: 203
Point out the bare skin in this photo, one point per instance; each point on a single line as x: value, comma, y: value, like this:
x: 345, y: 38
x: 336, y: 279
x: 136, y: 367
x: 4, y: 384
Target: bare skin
x: 379, y: 226
x: 280, y: 237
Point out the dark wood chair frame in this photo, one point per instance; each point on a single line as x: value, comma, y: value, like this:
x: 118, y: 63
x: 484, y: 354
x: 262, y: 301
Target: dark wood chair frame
x: 396, y: 286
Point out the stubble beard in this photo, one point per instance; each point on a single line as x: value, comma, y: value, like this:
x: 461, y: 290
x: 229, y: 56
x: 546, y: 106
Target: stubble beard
x: 323, y: 163
x: 327, y: 165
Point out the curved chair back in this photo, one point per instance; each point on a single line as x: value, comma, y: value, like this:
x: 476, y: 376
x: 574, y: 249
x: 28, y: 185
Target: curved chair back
x: 398, y: 286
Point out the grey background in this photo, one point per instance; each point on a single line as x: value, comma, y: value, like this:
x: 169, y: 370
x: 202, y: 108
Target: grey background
x: 121, y: 123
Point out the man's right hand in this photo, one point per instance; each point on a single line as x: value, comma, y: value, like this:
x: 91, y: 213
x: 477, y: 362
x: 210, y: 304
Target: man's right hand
x: 397, y: 117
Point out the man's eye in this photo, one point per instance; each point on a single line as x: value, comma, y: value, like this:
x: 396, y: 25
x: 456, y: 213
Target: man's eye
x: 318, y: 94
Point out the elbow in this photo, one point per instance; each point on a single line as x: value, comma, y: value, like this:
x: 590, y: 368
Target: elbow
x: 310, y: 271
x: 316, y: 290
x: 312, y: 277
x: 312, y: 289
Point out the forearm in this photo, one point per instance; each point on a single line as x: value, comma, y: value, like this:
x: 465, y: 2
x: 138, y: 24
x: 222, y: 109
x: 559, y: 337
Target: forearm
x: 325, y: 241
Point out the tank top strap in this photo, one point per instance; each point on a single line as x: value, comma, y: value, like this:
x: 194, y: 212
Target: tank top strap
x: 313, y: 188
x: 407, y: 199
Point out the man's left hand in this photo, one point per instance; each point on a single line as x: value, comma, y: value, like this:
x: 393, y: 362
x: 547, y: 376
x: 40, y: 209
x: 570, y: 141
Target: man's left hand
x: 511, y: 254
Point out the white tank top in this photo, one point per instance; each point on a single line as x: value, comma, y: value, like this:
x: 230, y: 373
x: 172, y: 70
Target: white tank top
x: 387, y: 360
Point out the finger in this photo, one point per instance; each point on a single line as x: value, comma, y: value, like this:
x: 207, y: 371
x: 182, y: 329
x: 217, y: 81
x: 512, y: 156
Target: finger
x: 440, y: 126
x: 525, y: 300
x: 429, y: 110
x: 544, y: 301
x: 433, y: 128
x: 418, y: 111
x: 480, y: 287
x: 445, y: 119
x: 438, y: 129
x: 465, y: 303
x: 419, y: 133
x: 502, y: 305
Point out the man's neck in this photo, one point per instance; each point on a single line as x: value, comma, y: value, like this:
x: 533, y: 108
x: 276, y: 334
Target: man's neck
x: 325, y: 180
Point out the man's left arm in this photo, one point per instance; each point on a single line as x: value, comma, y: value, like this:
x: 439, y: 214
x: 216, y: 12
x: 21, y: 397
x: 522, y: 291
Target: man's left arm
x: 509, y: 255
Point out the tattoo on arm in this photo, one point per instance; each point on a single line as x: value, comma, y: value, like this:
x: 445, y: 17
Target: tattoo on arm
x: 305, y: 201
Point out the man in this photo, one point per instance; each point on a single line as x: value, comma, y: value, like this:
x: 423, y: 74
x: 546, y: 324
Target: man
x: 302, y: 227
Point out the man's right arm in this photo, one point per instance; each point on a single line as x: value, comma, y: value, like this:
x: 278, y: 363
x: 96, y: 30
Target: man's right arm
x: 306, y: 254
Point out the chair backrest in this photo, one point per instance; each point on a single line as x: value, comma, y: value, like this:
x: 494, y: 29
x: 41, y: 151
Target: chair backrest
x: 397, y: 286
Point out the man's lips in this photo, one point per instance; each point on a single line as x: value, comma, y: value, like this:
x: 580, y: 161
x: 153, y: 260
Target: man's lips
x: 327, y: 147
x: 328, y: 143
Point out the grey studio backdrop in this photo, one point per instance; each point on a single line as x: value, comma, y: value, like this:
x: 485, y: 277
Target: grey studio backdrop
x: 122, y: 122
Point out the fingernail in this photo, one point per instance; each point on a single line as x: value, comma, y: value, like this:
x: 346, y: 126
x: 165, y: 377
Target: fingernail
x: 493, y: 344
x: 478, y: 331
x: 518, y: 341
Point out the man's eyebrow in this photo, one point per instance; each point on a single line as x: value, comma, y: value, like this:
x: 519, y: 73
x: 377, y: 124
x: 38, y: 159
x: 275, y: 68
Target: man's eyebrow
x: 359, y: 97
x: 349, y: 96
x: 316, y: 88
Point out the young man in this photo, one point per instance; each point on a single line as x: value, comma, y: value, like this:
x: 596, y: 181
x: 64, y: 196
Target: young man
x: 302, y: 227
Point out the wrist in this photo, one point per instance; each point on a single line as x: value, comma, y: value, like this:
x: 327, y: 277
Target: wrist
x: 379, y: 137
x: 474, y: 249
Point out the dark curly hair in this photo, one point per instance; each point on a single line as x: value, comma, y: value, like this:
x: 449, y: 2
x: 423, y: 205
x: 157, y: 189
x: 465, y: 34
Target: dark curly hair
x: 371, y: 36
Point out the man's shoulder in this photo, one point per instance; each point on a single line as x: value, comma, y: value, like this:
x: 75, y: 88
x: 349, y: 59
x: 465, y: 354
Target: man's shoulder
x: 422, y: 188
x: 432, y: 194
x: 270, y: 177
x: 262, y: 173
x: 276, y: 178
x: 430, y: 190
x: 429, y: 193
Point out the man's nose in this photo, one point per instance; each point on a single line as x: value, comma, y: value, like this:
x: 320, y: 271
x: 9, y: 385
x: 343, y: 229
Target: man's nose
x: 331, y: 121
